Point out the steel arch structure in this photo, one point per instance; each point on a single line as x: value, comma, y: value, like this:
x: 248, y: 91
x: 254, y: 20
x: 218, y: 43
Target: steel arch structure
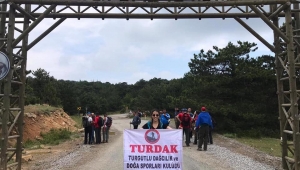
x: 29, y: 13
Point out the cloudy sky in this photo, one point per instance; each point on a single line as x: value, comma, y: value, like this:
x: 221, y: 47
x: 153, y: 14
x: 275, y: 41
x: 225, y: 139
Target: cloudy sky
x: 117, y: 50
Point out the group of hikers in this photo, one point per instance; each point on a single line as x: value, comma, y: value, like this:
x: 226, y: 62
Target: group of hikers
x: 198, y: 124
x: 93, y: 125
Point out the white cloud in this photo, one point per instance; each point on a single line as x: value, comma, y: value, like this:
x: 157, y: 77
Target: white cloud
x: 115, y: 50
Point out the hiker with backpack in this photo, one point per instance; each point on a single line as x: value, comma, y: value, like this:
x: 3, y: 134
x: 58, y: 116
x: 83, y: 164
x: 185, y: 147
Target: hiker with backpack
x: 192, y: 125
x: 165, y: 117
x: 185, y: 124
x: 136, y: 121
x: 98, y: 124
x: 203, y: 123
x: 194, y: 129
x: 87, y: 124
x: 177, y: 123
x: 93, y: 127
x: 140, y: 114
x: 155, y: 122
x: 106, y: 126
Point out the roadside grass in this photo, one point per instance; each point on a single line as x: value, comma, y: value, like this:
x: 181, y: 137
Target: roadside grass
x: 53, y: 137
x: 38, y: 108
x: 114, y: 113
x: 270, y: 146
x: 78, y: 120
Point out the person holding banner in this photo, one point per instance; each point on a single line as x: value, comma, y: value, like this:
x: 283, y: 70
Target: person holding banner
x: 155, y: 122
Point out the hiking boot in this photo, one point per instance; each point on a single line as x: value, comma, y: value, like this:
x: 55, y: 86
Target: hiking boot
x: 199, y: 149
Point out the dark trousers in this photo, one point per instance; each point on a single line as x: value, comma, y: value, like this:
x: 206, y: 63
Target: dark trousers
x: 177, y: 123
x: 186, y: 131
x: 203, y: 136
x: 210, y: 139
x: 135, y: 126
x: 88, y: 135
x: 98, y: 135
x: 196, y: 136
x: 93, y: 134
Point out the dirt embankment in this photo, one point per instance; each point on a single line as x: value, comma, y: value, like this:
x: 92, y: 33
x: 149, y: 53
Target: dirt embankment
x: 37, y: 122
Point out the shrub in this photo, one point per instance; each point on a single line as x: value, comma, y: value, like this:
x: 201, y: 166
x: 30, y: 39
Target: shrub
x: 54, y: 136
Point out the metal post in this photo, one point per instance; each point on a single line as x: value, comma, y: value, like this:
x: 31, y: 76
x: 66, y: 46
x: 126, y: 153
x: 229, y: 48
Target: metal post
x: 279, y: 71
x: 2, y: 23
x: 20, y: 123
x: 7, y: 91
x: 292, y: 86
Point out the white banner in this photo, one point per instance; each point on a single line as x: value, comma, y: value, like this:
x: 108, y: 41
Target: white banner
x: 157, y: 149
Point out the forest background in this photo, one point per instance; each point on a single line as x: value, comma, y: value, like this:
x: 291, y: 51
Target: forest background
x: 239, y: 91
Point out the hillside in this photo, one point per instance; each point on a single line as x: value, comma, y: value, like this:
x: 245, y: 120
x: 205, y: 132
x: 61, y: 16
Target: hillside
x: 42, y: 118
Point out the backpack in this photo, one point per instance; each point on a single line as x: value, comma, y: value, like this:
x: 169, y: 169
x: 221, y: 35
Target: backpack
x: 139, y: 120
x: 100, y: 121
x: 186, y: 119
x: 149, y: 125
x: 85, y: 122
x: 108, y: 121
x: 140, y: 114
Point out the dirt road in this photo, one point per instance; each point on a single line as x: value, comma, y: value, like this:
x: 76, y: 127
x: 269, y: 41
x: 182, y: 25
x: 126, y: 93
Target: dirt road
x: 109, y: 156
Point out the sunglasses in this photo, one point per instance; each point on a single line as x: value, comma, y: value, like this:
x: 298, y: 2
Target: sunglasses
x: 155, y: 115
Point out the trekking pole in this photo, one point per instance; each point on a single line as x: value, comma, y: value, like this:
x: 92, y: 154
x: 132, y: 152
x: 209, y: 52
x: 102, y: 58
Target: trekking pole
x: 130, y: 124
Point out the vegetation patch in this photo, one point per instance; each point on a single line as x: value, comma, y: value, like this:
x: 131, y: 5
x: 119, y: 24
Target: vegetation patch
x: 53, y: 137
x: 78, y: 120
x: 270, y: 146
x: 40, y: 108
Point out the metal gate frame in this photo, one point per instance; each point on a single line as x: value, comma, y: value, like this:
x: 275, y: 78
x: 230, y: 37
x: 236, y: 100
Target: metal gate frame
x: 285, y: 47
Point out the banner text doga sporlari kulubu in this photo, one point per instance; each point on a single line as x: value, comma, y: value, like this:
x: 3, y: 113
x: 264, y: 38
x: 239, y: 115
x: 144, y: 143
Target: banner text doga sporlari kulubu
x: 157, y: 149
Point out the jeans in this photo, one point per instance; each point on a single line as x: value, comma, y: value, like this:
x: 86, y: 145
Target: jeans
x: 93, y: 134
x: 196, y: 136
x: 105, y: 134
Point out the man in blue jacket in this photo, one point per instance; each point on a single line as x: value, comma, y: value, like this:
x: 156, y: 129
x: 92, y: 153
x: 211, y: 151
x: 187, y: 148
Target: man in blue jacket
x: 203, y: 123
x: 165, y: 117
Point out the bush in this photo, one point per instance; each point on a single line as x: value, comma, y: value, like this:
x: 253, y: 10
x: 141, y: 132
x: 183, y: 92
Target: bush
x: 31, y: 143
x: 55, y: 136
x: 123, y: 110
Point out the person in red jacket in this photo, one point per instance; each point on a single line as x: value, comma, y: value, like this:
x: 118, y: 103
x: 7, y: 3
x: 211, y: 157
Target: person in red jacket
x: 97, y: 124
x: 185, y: 124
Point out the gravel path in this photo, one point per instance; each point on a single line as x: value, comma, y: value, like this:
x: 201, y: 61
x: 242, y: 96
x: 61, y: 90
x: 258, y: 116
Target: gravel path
x: 109, y: 156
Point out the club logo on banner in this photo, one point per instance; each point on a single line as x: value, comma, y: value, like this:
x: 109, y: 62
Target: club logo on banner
x: 152, y: 149
x: 152, y: 136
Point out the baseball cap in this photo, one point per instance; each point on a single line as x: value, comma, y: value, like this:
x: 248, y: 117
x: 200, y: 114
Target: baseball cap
x: 184, y: 109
